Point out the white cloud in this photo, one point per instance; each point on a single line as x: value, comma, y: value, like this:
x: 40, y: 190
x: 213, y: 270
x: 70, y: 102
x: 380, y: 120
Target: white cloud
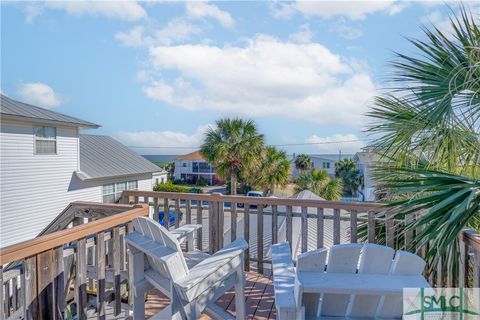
x: 266, y: 77
x: 32, y: 10
x: 199, y: 9
x: 336, y: 142
x: 305, y: 35
x: 354, y: 10
x: 122, y: 10
x: 344, y: 30
x: 175, y: 31
x: 169, y: 139
x: 39, y: 94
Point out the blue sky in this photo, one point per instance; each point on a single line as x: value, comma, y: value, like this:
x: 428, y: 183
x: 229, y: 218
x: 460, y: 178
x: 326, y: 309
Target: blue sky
x: 157, y: 74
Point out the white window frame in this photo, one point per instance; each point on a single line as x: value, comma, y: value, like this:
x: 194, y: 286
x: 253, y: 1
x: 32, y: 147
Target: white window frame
x: 35, y: 139
x: 117, y: 191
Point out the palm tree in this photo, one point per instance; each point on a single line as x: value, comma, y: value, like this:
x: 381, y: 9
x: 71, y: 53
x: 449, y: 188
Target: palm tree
x: 234, y: 147
x: 347, y: 170
x: 303, y: 162
x: 428, y: 128
x: 273, y: 171
x: 319, y: 183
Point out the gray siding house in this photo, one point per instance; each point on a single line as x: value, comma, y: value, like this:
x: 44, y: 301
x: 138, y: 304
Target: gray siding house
x: 45, y: 163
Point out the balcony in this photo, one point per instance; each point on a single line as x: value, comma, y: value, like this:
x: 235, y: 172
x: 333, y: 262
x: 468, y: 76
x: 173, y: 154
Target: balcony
x: 79, y: 267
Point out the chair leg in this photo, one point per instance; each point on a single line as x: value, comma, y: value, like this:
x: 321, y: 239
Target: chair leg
x: 240, y: 293
x: 137, y: 265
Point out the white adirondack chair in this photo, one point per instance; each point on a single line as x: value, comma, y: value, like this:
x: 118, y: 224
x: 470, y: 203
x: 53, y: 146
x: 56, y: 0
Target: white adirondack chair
x: 348, y: 281
x: 193, y: 280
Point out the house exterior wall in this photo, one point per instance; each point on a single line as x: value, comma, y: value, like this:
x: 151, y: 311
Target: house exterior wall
x: 34, y: 189
x: 184, y: 170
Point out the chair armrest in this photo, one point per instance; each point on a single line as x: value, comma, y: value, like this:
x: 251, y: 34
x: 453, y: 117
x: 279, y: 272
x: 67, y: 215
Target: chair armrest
x: 283, y: 281
x: 185, y: 230
x: 212, y: 270
x: 237, y: 245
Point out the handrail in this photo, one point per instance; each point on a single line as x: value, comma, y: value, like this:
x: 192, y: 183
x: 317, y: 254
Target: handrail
x: 359, y: 206
x: 50, y: 241
x: 471, y: 238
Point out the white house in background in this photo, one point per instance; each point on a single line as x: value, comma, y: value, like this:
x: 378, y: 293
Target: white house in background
x: 193, y: 166
x: 365, y: 160
x: 45, y: 163
x: 323, y: 162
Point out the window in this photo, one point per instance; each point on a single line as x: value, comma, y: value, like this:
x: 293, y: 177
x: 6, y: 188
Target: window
x: 326, y: 165
x: 45, y: 140
x: 184, y: 164
x: 112, y: 192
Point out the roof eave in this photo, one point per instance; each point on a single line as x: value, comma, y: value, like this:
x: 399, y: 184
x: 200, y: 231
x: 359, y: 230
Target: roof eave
x: 85, y: 177
x: 48, y: 121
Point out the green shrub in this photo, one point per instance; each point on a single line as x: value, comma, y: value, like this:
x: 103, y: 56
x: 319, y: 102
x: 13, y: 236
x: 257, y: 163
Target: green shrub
x: 169, y: 187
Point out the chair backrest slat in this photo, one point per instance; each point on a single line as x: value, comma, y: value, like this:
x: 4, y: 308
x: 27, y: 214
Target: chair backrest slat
x: 405, y: 263
x: 374, y: 259
x: 341, y: 259
x: 173, y: 265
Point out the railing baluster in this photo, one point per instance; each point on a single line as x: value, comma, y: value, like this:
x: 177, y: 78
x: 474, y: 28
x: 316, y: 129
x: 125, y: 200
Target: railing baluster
x: 221, y: 223
x: 440, y: 273
x: 5, y: 302
x: 177, y: 213
x: 476, y: 268
x: 2, y: 315
x: 14, y: 294
x: 353, y: 226
x: 274, y: 224
x: 233, y: 221
x: 260, y: 238
x: 100, y: 256
x: 81, y: 279
x: 156, y: 209
x: 199, y: 221
x: 336, y: 226
x: 371, y: 227
x: 166, y: 214
x: 246, y: 234
x: 288, y: 235
x: 30, y: 291
x: 408, y: 233
x: 320, y: 220
x: 463, y: 264
x: 188, y: 211
x: 45, y: 285
x: 116, y: 269
x: 59, y: 283
x: 389, y: 231
x: 304, y: 229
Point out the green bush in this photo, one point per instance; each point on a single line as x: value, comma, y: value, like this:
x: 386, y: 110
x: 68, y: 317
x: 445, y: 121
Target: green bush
x: 169, y: 187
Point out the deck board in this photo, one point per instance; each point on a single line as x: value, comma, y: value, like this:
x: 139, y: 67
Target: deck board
x: 259, y: 298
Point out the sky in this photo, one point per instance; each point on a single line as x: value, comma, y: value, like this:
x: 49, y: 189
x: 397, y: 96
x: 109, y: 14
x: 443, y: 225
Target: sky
x: 157, y: 74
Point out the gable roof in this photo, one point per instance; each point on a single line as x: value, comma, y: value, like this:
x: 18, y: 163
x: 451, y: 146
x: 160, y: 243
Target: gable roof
x: 196, y: 155
x: 105, y: 157
x: 13, y: 109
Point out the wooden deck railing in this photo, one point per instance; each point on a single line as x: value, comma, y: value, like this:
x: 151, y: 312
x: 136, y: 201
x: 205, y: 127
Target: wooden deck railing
x: 333, y: 222
x: 50, y: 276
x: 84, y: 268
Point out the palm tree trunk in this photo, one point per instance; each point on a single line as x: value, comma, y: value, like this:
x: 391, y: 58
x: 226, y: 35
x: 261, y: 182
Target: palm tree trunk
x: 233, y: 184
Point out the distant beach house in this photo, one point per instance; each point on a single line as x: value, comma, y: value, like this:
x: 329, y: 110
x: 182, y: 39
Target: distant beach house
x: 192, y: 166
x: 323, y: 162
x: 45, y: 163
x: 365, y: 160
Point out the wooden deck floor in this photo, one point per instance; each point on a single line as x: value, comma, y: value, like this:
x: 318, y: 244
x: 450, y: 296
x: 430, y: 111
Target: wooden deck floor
x: 259, y: 298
